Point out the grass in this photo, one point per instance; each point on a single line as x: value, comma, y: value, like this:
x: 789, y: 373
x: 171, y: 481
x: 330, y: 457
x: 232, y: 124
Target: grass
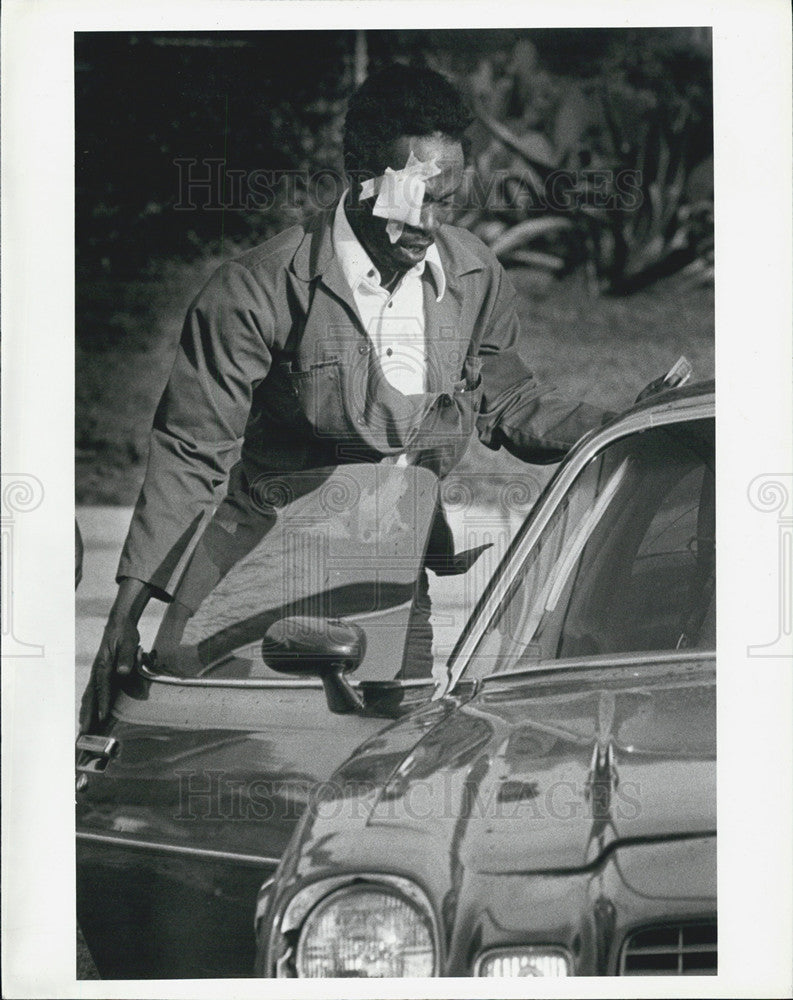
x: 602, y: 350
x: 127, y: 330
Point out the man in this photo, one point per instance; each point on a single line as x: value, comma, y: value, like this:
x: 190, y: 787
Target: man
x: 376, y: 333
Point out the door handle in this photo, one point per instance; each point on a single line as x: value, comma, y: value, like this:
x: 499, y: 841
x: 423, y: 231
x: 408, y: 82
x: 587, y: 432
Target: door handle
x: 94, y: 753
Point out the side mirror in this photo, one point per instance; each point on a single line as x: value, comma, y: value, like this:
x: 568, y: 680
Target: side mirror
x: 318, y: 647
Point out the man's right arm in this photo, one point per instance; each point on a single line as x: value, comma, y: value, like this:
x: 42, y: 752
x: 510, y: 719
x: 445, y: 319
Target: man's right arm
x: 223, y: 353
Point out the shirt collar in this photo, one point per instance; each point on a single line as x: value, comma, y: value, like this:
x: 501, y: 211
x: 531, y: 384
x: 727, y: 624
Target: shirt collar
x: 357, y: 266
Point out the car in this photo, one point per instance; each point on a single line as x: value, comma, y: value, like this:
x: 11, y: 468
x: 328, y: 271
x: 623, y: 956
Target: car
x: 545, y: 807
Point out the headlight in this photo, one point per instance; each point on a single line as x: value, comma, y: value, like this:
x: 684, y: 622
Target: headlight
x: 509, y: 963
x: 366, y: 931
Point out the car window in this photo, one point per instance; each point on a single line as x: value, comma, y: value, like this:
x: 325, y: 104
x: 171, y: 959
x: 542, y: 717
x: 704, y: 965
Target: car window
x: 625, y: 564
x: 337, y: 542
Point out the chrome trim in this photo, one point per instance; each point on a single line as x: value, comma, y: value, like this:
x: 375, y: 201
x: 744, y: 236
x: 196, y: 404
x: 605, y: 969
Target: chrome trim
x: 259, y: 682
x: 523, y: 949
x: 671, y: 412
x: 305, y: 899
x: 102, y: 746
x: 605, y: 660
x: 228, y: 682
x: 193, y: 852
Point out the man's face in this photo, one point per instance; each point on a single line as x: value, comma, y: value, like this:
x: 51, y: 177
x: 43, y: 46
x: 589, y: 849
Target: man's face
x: 412, y: 245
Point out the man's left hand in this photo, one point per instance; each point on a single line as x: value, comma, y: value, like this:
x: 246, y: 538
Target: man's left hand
x: 657, y: 385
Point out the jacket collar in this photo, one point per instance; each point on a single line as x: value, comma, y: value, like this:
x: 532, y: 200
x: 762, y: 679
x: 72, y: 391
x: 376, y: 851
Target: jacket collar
x: 315, y: 257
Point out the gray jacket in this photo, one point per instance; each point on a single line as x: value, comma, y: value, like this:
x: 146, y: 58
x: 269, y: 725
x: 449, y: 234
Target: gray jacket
x: 275, y: 370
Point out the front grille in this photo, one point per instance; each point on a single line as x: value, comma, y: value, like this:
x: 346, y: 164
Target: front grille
x: 671, y: 950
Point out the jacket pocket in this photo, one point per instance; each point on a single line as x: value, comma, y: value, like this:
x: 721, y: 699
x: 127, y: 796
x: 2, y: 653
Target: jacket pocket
x: 319, y: 394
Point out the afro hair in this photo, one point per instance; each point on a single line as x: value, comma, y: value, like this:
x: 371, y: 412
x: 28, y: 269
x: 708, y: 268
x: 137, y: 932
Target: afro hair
x: 400, y: 100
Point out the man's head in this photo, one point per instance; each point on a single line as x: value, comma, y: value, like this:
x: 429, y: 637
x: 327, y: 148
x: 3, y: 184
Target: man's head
x: 400, y: 110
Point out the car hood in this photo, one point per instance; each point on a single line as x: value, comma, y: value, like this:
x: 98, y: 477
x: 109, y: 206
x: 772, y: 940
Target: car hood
x: 546, y: 772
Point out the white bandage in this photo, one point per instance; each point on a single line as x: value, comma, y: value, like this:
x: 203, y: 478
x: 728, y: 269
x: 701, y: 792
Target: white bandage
x: 400, y: 194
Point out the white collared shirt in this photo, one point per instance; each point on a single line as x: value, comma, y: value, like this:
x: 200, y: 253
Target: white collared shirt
x: 394, y: 322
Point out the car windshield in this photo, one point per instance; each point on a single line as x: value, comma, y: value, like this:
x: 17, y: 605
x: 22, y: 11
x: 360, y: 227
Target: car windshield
x: 625, y: 564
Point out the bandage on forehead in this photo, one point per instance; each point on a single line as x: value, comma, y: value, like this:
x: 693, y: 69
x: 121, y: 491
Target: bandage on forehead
x: 400, y: 193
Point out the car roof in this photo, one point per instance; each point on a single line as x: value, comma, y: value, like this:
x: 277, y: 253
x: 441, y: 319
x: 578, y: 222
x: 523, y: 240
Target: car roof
x: 694, y: 402
x: 674, y: 400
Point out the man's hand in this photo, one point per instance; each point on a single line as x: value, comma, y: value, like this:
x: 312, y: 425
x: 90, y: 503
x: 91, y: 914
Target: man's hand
x: 678, y: 374
x: 116, y: 658
x: 657, y: 385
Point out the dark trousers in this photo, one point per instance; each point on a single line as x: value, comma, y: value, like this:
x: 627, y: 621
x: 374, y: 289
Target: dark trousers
x: 417, y: 659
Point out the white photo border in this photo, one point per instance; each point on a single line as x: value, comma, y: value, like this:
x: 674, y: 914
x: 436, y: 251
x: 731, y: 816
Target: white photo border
x: 752, y: 58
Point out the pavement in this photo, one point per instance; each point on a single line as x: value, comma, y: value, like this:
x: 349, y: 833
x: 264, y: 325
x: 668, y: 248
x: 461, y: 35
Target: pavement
x: 453, y: 598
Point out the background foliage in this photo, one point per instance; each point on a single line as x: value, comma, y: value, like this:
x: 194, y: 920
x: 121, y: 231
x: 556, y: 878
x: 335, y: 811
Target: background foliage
x: 274, y: 101
x: 557, y: 101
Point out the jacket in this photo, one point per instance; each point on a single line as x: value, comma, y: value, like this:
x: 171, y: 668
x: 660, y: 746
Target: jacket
x: 274, y: 370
